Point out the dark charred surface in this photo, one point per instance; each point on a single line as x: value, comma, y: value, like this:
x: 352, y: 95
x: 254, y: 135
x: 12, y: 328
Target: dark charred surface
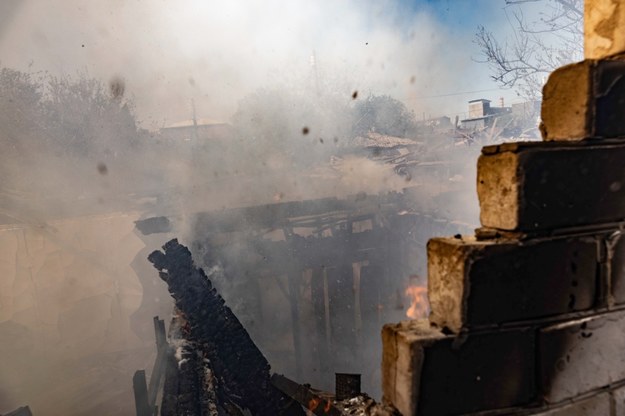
x: 190, y: 387
x: 153, y: 225
x: 239, y: 368
x: 304, y: 395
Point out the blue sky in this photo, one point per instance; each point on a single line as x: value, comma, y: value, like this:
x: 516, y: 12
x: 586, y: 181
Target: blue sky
x: 458, y: 16
x: 458, y: 20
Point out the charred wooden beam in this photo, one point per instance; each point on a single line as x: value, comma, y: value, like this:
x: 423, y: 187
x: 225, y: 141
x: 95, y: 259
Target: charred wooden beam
x: 321, y: 308
x: 306, y: 397
x: 309, y: 252
x: 277, y: 215
x: 145, y: 397
x: 140, y: 388
x: 190, y: 384
x: 294, y: 279
x: 159, y: 364
x: 240, y: 369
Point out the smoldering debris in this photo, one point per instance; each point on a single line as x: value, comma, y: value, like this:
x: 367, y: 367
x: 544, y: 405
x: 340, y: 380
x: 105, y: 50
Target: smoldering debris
x: 240, y: 371
x: 363, y: 405
x: 321, y: 403
x: 190, y: 385
x: 304, y: 395
x: 214, y: 368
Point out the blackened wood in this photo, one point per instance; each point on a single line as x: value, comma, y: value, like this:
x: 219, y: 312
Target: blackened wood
x: 304, y: 396
x: 241, y: 370
x: 140, y: 388
x: 322, y: 338
x: 293, y: 277
x: 159, y: 330
x: 159, y: 364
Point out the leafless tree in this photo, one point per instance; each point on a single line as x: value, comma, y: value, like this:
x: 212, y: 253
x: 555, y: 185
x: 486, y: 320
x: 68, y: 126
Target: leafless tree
x: 538, y: 46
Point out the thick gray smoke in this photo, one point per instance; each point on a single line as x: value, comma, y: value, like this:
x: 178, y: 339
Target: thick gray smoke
x: 84, y: 90
x: 217, y: 52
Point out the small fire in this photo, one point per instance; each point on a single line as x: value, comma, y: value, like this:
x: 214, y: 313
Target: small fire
x: 419, y: 305
x: 313, y: 404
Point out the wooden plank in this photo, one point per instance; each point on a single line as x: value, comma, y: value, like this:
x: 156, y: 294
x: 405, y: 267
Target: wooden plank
x: 303, y: 395
x: 140, y: 388
x: 159, y: 364
x: 159, y: 330
x: 293, y: 278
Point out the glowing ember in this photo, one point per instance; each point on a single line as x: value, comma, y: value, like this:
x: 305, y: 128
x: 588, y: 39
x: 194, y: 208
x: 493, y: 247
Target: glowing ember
x: 313, y: 403
x: 419, y: 306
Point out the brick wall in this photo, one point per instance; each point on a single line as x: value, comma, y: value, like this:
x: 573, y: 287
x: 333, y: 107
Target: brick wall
x: 528, y: 315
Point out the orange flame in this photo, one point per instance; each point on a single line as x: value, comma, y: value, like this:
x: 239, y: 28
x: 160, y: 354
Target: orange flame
x: 419, y: 305
x: 313, y: 403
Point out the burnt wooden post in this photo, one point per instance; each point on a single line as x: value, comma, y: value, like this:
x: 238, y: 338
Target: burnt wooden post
x: 302, y: 394
x: 140, y: 388
x: 159, y: 331
x: 145, y: 398
x: 341, y: 302
x: 293, y: 277
x: 159, y: 364
x: 319, y: 299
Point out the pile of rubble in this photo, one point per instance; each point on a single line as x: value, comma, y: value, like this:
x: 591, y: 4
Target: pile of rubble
x: 213, y: 368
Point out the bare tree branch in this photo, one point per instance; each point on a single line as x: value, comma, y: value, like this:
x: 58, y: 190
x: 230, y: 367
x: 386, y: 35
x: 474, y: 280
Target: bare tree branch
x: 537, y: 48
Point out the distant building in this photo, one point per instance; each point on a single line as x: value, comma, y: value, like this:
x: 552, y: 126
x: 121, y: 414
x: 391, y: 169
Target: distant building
x: 482, y: 115
x: 479, y: 108
x: 200, y: 129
